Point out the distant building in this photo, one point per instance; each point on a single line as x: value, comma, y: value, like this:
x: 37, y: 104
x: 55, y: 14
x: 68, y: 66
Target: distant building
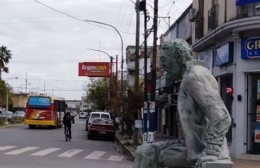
x: 73, y: 106
x: 19, y: 100
x: 84, y: 105
x: 226, y: 36
x: 130, y: 63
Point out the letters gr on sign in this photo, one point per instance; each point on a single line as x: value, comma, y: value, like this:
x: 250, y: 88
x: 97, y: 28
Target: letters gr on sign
x: 250, y: 48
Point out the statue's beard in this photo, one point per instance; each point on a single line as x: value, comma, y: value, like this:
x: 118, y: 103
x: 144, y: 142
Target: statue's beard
x: 172, y: 77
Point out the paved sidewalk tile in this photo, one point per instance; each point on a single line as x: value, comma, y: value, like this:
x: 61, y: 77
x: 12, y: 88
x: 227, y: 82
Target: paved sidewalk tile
x: 241, y: 163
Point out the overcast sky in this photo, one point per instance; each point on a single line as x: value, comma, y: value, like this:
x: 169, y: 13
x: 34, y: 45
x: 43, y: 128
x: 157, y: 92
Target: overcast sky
x: 47, y: 43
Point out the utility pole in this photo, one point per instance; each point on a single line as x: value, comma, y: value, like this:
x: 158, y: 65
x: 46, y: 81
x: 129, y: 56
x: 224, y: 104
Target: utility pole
x: 136, y: 89
x: 152, y: 113
x: 146, y: 105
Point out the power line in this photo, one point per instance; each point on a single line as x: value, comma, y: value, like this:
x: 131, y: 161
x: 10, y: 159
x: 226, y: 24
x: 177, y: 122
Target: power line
x: 68, y: 15
x: 71, y: 16
x: 132, y: 1
x: 56, y: 80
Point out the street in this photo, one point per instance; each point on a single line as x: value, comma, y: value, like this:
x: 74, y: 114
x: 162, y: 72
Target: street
x: 42, y: 147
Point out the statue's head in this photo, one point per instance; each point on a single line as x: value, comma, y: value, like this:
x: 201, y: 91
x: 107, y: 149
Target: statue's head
x: 175, y: 55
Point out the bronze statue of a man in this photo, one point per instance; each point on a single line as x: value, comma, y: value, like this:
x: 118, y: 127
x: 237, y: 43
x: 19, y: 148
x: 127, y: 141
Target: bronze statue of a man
x: 203, y: 115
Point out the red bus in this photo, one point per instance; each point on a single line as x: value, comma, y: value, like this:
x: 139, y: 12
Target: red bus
x: 43, y: 110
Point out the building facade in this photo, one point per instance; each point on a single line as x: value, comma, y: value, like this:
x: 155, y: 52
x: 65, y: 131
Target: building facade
x: 166, y: 103
x: 226, y: 36
x: 130, y: 63
x: 73, y: 106
x: 19, y: 101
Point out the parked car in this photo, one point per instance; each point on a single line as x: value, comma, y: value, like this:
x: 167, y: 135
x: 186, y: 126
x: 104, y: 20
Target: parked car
x: 19, y: 114
x: 94, y: 115
x: 7, y: 114
x: 83, y: 115
x: 101, y: 127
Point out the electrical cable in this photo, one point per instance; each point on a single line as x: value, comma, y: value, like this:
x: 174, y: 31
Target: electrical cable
x: 73, y: 17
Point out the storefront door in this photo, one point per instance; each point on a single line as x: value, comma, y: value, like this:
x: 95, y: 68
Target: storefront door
x: 253, y: 138
x: 227, y: 82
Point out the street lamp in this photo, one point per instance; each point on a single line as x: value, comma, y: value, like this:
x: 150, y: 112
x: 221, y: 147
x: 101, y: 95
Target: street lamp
x: 111, y: 66
x: 122, y: 57
x: 6, y: 107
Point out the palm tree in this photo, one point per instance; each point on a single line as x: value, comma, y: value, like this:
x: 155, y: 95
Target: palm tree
x: 5, y: 55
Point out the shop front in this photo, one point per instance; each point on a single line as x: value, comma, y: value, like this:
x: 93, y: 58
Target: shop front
x: 253, y: 114
x: 250, y: 53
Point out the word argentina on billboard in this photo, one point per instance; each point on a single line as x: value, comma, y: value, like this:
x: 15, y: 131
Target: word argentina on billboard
x: 94, y: 69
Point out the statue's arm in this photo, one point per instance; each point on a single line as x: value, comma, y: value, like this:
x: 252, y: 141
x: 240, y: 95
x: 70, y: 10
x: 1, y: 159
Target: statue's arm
x: 203, y: 88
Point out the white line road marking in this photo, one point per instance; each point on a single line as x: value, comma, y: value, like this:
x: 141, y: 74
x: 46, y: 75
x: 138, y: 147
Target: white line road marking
x: 6, y: 147
x: 45, y: 151
x: 70, y: 153
x: 22, y: 150
x: 95, y: 155
x: 115, y: 158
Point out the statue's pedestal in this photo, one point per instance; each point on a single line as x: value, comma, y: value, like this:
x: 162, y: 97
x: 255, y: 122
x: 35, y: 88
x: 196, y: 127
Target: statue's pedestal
x: 218, y: 164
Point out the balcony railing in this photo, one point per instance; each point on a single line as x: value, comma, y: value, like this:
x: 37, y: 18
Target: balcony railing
x: 213, y: 18
x: 248, y: 10
x: 199, y: 28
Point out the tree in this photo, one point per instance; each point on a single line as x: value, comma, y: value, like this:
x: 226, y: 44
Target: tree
x: 97, y: 92
x: 5, y: 56
x: 2, y: 92
x: 5, y: 89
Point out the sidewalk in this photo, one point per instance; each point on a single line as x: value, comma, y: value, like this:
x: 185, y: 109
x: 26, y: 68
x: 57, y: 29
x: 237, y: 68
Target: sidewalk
x: 129, y: 148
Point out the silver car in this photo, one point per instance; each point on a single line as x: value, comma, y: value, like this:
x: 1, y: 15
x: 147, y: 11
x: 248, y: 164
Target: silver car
x: 19, y: 114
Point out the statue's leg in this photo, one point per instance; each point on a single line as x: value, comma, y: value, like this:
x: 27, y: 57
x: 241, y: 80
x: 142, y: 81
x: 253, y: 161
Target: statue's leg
x: 174, y: 155
x: 147, y: 155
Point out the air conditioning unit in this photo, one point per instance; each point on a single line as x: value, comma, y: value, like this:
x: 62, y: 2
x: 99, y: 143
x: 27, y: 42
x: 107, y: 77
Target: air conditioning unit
x: 193, y: 14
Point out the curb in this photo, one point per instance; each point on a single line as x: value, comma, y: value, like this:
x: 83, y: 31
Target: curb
x: 10, y: 125
x: 127, y: 149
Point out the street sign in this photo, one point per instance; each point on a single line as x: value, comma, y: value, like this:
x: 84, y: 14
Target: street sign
x: 229, y: 90
x: 150, y: 137
x: 152, y: 107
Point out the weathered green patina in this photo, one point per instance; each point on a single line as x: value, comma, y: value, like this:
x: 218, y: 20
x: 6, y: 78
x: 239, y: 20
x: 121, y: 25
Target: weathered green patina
x: 203, y: 115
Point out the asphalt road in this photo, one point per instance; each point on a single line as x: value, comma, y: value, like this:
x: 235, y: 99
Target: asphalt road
x: 21, y: 147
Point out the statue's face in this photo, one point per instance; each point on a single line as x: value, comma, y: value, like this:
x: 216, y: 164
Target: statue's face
x: 166, y: 61
x: 171, y: 66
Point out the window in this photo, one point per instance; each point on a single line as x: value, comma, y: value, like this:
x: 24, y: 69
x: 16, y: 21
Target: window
x: 39, y: 101
x: 104, y: 116
x: 95, y: 115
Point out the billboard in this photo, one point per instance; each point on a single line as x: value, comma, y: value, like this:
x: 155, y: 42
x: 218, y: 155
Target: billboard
x: 243, y: 2
x: 94, y: 69
x: 224, y: 54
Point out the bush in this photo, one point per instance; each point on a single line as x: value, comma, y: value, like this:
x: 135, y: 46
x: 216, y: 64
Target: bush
x: 2, y: 121
x: 16, y: 120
